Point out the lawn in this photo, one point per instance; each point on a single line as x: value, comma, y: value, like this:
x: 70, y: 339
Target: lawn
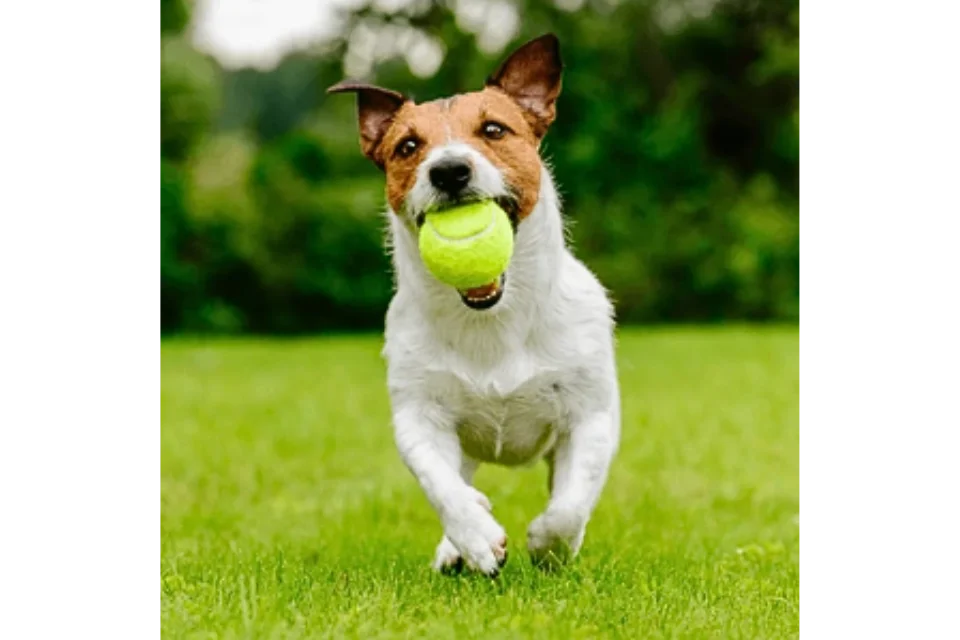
x: 287, y: 513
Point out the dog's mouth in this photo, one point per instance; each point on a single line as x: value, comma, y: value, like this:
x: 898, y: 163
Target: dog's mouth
x: 512, y: 207
x: 488, y: 295
x: 509, y: 203
x: 484, y: 297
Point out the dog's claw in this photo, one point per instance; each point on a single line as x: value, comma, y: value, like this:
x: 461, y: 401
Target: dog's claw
x: 454, y: 568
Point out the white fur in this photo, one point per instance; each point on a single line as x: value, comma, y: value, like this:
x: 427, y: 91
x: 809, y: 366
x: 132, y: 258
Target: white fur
x: 486, y: 181
x: 533, y: 376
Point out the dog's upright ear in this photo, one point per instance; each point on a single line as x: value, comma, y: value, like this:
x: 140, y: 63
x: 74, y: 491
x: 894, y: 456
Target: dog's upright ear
x: 375, y: 110
x: 531, y: 76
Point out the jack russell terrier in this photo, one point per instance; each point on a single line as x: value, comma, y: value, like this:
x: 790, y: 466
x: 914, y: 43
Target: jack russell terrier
x: 511, y: 372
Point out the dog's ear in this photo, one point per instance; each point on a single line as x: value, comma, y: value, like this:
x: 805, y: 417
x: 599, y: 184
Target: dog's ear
x: 375, y: 110
x: 531, y: 76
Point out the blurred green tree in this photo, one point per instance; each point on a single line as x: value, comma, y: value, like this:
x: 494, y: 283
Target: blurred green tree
x: 174, y: 16
x: 676, y: 150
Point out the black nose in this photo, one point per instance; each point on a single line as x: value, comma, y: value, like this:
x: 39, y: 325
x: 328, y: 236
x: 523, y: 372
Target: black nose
x: 450, y: 176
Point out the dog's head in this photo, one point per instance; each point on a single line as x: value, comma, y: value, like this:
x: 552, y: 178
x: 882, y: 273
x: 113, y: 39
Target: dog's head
x: 473, y: 146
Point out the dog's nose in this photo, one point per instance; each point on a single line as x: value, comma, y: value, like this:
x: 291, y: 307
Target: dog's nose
x: 450, y: 176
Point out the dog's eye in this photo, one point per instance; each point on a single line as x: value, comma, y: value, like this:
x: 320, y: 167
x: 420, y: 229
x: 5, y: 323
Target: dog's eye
x: 407, y: 147
x: 493, y: 130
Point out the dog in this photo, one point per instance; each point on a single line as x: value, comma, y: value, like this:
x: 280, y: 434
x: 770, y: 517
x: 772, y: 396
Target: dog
x: 519, y: 370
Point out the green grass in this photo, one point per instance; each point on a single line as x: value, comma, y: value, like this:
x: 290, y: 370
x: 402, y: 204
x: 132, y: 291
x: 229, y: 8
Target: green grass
x: 287, y: 513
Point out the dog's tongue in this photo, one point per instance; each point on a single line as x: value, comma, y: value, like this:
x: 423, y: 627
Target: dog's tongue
x: 482, y: 292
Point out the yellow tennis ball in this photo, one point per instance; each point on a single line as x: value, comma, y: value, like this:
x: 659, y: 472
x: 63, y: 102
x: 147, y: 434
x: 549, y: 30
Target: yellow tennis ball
x: 468, y: 246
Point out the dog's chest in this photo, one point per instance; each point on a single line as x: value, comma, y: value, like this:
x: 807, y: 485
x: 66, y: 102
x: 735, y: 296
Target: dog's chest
x: 510, y: 417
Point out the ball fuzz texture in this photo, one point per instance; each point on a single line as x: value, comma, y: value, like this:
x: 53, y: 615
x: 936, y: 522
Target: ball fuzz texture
x: 469, y: 246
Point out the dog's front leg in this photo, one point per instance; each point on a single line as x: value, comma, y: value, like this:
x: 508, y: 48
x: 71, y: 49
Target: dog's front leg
x: 578, y: 471
x: 428, y: 443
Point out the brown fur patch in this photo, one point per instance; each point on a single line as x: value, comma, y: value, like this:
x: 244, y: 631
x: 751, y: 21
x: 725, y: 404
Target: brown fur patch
x: 520, y: 96
x: 461, y: 119
x: 531, y: 76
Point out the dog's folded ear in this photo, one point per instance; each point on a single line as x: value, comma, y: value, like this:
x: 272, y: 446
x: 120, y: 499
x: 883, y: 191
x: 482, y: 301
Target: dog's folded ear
x: 376, y: 107
x: 531, y: 76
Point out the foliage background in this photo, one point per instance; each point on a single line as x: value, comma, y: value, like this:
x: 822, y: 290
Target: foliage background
x: 676, y: 150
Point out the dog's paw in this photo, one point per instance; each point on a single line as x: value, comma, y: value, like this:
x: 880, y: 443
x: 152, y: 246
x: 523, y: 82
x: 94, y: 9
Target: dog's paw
x: 447, y: 559
x: 554, y: 537
x: 473, y: 538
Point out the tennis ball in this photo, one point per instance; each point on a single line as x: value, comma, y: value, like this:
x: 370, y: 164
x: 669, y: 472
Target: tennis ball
x: 469, y: 246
